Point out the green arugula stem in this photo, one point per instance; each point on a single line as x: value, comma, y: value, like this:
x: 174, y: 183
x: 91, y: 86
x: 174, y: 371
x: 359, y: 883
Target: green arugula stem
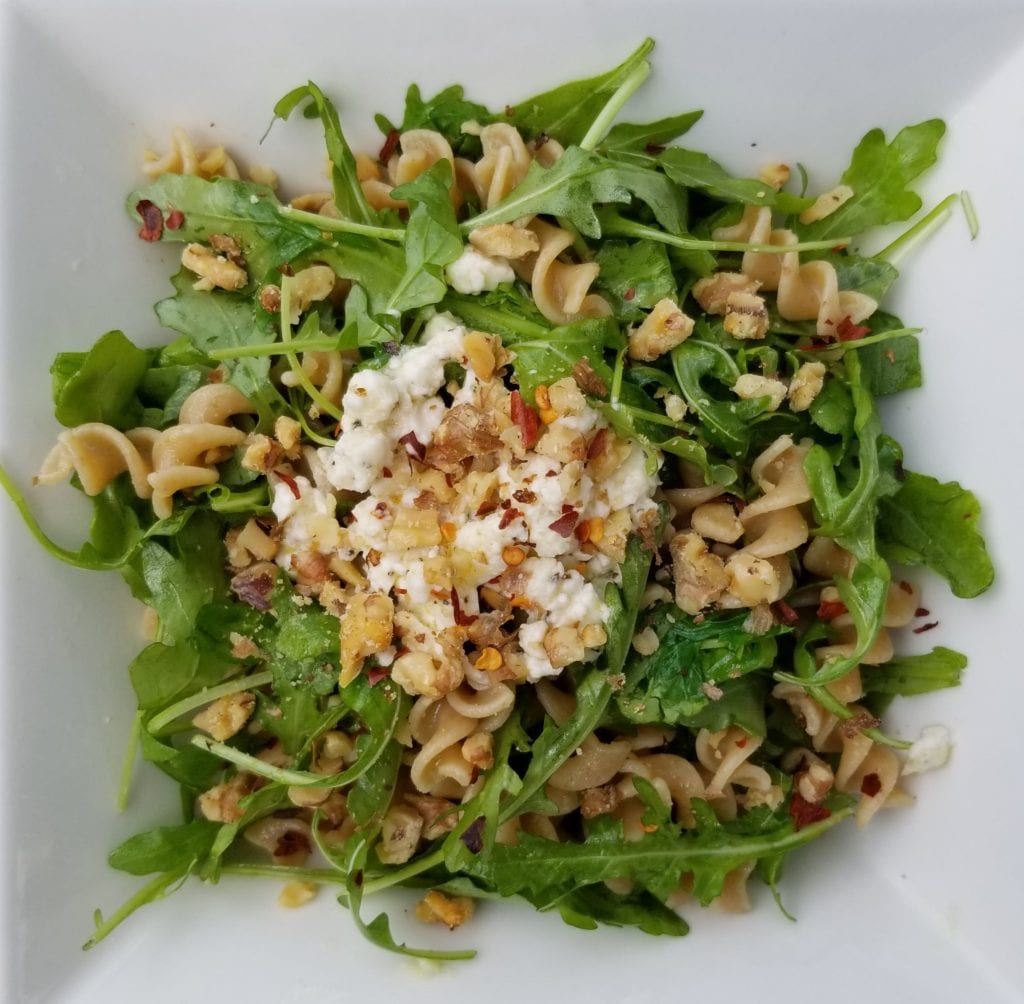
x: 648, y: 416
x: 330, y: 223
x: 579, y: 245
x: 307, y: 429
x: 919, y: 232
x: 321, y: 403
x: 607, y: 115
x: 275, y: 348
x: 970, y: 214
x: 60, y: 553
x: 175, y: 711
x: 285, y: 873
x: 128, y: 763
x: 400, y: 875
x: 615, y: 225
x: 824, y: 697
x: 149, y: 893
x: 860, y: 343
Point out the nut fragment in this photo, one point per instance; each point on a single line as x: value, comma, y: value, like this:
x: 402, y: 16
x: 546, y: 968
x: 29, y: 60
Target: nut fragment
x: 746, y: 316
x: 661, y: 330
x: 308, y: 287
x: 225, y: 716
x: 806, y: 386
x: 421, y: 673
x: 713, y: 292
x: 436, y: 908
x: 564, y: 646
x: 700, y: 576
x: 366, y: 629
x: 213, y: 269
x: 399, y: 835
x: 750, y: 385
x: 479, y: 350
x: 296, y: 894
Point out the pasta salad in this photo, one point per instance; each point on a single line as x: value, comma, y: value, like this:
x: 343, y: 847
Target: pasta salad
x: 514, y: 517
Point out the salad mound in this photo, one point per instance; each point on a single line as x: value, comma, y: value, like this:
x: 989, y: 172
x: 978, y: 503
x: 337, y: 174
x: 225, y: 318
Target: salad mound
x: 516, y: 518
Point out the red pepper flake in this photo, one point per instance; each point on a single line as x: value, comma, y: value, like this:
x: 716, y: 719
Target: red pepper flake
x: 871, y: 785
x: 784, y: 612
x: 386, y: 472
x: 290, y: 482
x: 526, y: 419
x: 597, y: 446
x: 850, y: 332
x: 566, y: 508
x: 803, y: 813
x: 922, y: 612
x: 461, y: 619
x: 508, y: 516
x: 654, y: 149
x: 906, y: 587
x: 926, y: 627
x: 629, y: 294
x: 390, y: 145
x: 375, y: 675
x: 175, y: 219
x: 829, y: 610
x: 741, y: 743
x: 486, y: 508
x: 152, y: 220
x: 510, y: 111
x: 525, y: 496
x: 565, y: 524
x: 413, y: 446
x: 840, y: 247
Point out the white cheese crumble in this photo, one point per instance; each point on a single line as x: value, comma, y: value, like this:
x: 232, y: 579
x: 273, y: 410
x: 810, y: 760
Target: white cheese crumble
x: 930, y: 751
x: 473, y: 272
x: 308, y: 521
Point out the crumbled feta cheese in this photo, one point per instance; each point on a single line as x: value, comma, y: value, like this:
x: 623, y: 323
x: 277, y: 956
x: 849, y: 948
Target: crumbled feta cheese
x: 473, y: 272
x: 531, y: 641
x: 308, y: 521
x: 931, y: 750
x: 631, y: 483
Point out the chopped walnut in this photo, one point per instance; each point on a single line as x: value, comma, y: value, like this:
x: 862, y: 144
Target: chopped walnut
x: 746, y: 316
x: 806, y: 386
x: 439, y: 814
x: 399, y: 835
x: 214, y: 270
x: 288, y: 433
x: 366, y: 629
x: 262, y: 454
x: 564, y: 646
x: 436, y: 907
x: 661, y: 331
x: 308, y: 287
x: 465, y: 432
x: 713, y: 292
x: 503, y: 240
x: 422, y: 673
x: 700, y: 576
x: 750, y: 385
x: 220, y: 804
x: 600, y: 801
x: 225, y: 717
x: 296, y: 894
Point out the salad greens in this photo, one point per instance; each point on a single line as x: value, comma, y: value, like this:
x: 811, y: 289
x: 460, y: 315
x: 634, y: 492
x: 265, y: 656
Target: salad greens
x: 644, y: 212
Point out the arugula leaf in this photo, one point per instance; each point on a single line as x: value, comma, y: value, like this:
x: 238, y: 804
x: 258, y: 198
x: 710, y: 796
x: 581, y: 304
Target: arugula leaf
x: 928, y: 522
x: 871, y: 276
x: 697, y: 170
x: 244, y: 210
x: 742, y: 703
x: 879, y: 174
x: 547, y: 359
x: 590, y: 905
x: 445, y: 112
x: 630, y: 138
x: 567, y: 112
x: 348, y: 193
x: 656, y: 862
x: 194, y: 769
x: 623, y: 604
x: 432, y: 240
x: 909, y: 675
x: 164, y: 849
x: 634, y: 277
x: 255, y: 806
x: 669, y: 686
x: 568, y: 189
x: 100, y: 385
x: 218, y: 320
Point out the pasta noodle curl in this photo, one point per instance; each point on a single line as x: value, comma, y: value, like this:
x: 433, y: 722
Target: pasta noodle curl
x: 803, y: 292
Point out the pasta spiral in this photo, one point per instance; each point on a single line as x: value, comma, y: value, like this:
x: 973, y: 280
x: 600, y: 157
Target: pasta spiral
x: 183, y: 157
x: 804, y: 292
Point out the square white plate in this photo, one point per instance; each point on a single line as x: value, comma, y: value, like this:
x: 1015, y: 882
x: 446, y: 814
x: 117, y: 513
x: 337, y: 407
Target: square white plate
x: 926, y: 904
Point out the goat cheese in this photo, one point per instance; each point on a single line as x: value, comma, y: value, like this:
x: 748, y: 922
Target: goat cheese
x: 473, y: 272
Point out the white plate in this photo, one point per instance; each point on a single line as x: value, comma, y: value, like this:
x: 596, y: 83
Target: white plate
x: 926, y: 903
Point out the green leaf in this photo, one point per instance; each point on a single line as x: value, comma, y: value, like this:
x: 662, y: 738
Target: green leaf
x: 568, y: 189
x: 348, y: 193
x: 697, y: 170
x: 870, y: 276
x: 928, y: 522
x: 591, y: 905
x: 553, y: 356
x: 100, y: 385
x: 627, y: 137
x: 432, y: 240
x: 220, y: 320
x: 909, y: 675
x: 879, y: 174
x: 568, y: 111
x: 445, y: 112
x: 195, y: 770
x: 634, y: 277
x: 891, y: 366
x: 248, y: 212
x: 671, y: 685
x: 164, y: 849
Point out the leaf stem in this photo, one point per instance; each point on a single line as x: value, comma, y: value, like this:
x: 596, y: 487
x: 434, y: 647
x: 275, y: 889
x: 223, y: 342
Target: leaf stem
x: 321, y: 876
x: 334, y: 225
x: 970, y: 214
x: 919, y: 232
x: 149, y: 893
x: 293, y: 360
x: 276, y: 348
x: 128, y: 763
x: 175, y: 711
x: 607, y: 115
